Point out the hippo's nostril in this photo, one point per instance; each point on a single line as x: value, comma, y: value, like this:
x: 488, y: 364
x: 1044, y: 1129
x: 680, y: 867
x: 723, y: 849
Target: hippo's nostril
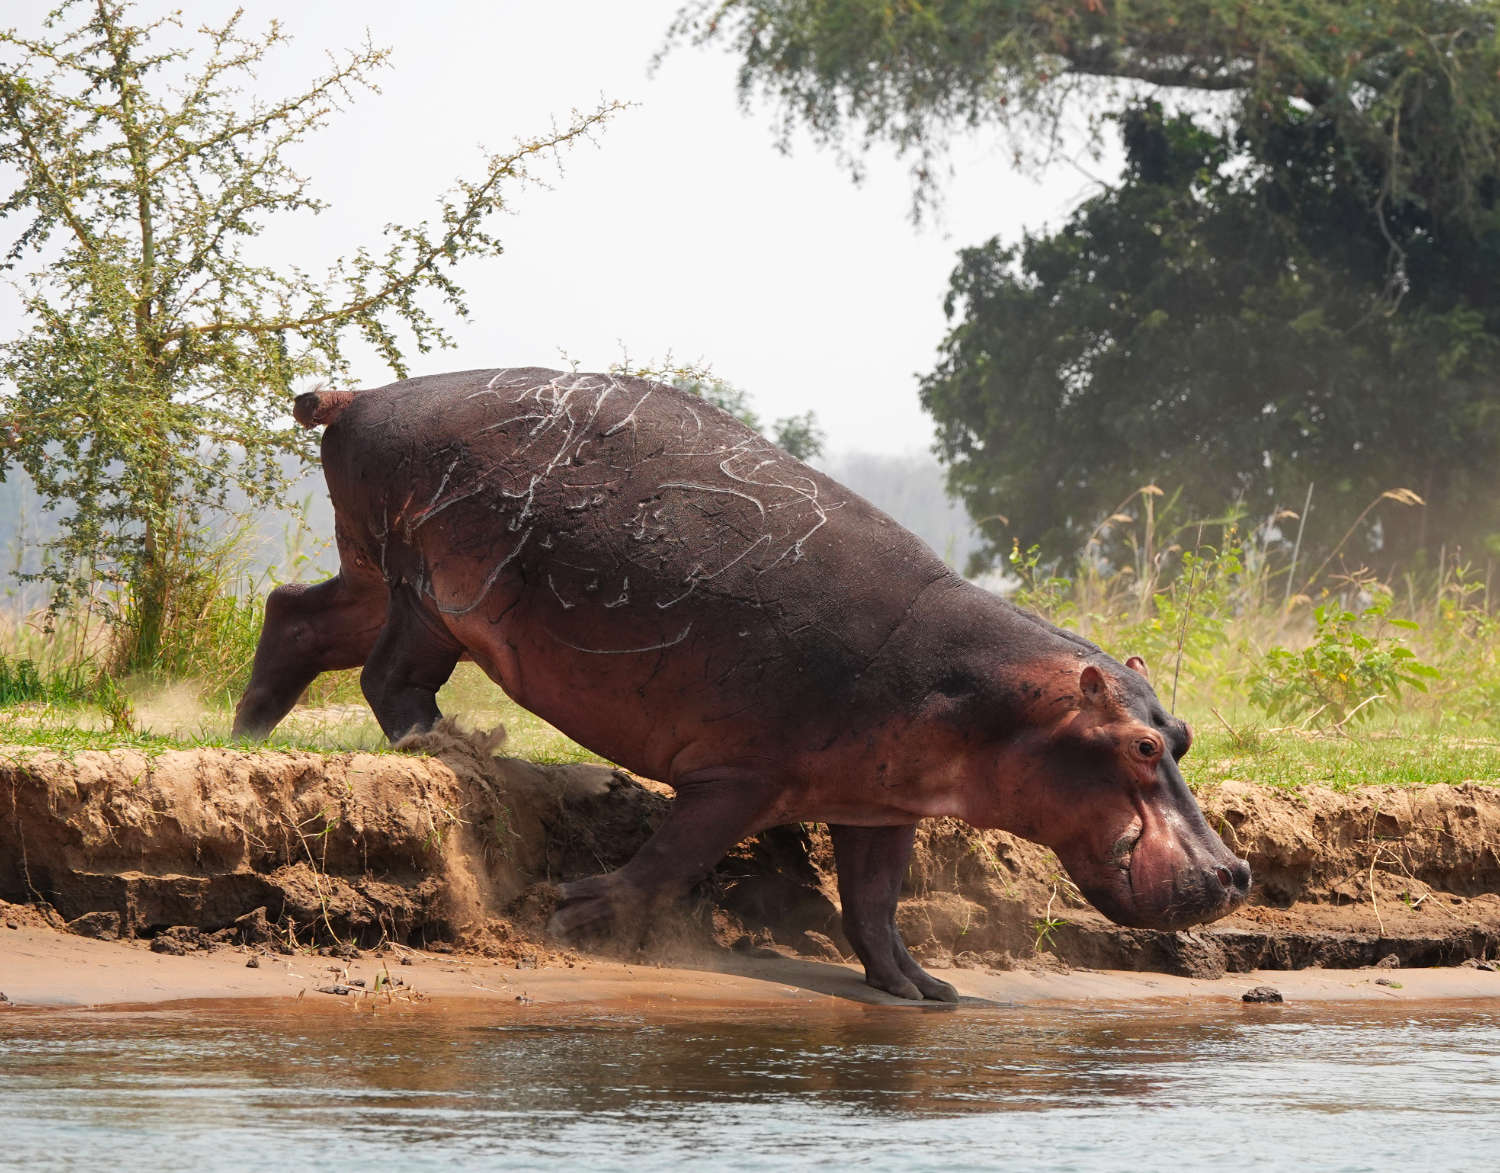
x: 1236, y: 879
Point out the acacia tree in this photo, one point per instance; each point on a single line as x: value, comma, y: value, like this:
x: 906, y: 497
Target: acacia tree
x: 1299, y: 286
x: 160, y: 356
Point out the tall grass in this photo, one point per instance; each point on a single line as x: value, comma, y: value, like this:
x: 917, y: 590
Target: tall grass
x: 210, y: 616
x: 22, y: 681
x: 98, y: 654
x: 1237, y: 630
x: 46, y: 665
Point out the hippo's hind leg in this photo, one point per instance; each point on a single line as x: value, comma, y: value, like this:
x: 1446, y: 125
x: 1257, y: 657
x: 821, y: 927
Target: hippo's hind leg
x: 307, y: 630
x: 871, y: 864
x: 411, y: 660
x: 707, y: 818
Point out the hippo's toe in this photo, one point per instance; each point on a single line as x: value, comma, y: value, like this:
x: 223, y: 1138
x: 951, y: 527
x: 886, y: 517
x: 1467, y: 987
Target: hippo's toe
x: 936, y: 989
x: 590, y: 907
x: 894, y: 984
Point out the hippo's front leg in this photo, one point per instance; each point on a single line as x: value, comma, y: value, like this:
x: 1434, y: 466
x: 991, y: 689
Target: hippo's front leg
x: 871, y: 864
x: 711, y: 813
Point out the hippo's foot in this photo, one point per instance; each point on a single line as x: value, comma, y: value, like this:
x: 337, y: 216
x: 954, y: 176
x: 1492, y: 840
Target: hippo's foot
x: 308, y: 630
x: 895, y: 972
x: 935, y: 989
x: 711, y: 814
x: 599, y: 906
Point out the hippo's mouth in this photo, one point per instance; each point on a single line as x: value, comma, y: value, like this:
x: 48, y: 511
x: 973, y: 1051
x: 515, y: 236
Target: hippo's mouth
x: 1132, y: 888
x: 1122, y: 854
x: 1127, y: 899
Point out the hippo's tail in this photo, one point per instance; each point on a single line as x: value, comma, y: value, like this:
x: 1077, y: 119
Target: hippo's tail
x: 312, y: 409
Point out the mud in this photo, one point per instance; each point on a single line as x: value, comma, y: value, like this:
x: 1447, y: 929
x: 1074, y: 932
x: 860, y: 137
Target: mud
x: 450, y: 845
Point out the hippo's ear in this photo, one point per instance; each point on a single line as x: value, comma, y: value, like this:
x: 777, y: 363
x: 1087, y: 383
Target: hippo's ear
x: 1138, y: 665
x: 1092, y: 686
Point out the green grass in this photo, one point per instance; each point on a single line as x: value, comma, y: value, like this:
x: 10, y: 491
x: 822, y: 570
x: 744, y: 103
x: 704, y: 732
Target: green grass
x: 72, y: 729
x: 62, y: 737
x: 174, y: 718
x: 22, y: 680
x: 1284, y: 759
x: 1289, y: 761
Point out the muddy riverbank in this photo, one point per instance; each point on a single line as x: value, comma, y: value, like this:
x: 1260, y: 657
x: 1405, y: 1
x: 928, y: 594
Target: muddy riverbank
x: 42, y: 968
x: 454, y: 847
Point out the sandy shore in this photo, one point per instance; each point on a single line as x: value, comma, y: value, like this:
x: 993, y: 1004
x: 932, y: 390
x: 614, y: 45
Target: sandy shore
x: 43, y: 968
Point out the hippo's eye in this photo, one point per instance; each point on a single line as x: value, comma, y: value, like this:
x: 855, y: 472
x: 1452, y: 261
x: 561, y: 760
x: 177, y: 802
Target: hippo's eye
x: 1147, y: 747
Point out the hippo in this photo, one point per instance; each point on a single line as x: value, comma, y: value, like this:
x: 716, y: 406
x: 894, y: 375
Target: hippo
x: 675, y: 593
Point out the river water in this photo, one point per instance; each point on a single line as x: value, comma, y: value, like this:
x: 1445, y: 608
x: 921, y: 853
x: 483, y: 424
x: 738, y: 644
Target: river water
x: 246, y: 1086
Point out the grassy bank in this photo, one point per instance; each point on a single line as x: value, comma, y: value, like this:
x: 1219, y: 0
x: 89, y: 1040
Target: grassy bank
x: 1409, y: 752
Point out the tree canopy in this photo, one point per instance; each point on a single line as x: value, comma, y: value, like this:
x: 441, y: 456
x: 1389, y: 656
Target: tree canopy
x: 1401, y: 79
x: 160, y: 356
x: 1218, y: 326
x: 1294, y: 283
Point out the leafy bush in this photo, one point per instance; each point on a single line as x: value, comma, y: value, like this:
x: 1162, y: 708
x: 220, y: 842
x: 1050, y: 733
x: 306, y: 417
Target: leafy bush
x: 1188, y: 628
x: 1351, y: 668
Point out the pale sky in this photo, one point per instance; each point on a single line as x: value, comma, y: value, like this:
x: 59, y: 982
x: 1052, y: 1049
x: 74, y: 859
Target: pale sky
x: 682, y: 229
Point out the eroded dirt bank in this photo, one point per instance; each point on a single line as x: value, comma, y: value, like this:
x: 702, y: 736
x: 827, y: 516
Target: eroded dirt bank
x: 282, y: 850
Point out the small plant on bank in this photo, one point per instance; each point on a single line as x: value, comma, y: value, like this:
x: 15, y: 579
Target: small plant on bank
x: 1040, y: 590
x: 1045, y: 927
x: 1353, y: 667
x: 22, y: 680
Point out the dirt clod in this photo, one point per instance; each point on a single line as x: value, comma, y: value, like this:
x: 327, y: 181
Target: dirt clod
x: 254, y: 928
x: 253, y: 963
x: 814, y: 944
x: 101, y: 926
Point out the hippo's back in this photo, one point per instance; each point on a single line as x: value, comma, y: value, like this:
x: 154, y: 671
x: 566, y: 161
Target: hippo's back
x: 620, y: 517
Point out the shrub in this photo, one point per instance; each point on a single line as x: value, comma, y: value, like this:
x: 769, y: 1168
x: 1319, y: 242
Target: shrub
x: 1352, y: 667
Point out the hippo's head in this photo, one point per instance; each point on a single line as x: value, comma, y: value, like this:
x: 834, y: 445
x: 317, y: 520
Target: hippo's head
x: 1131, y: 835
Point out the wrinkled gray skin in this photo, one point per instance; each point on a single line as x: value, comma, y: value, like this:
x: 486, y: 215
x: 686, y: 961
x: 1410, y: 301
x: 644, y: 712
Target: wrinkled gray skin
x: 675, y: 593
